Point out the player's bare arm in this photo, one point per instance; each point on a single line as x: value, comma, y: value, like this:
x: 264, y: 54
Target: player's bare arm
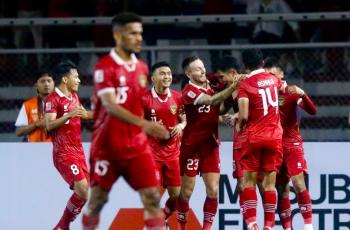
x: 87, y: 115
x: 151, y: 128
x: 216, y: 99
x: 27, y: 129
x: 53, y: 123
x: 177, y: 129
x: 243, y: 108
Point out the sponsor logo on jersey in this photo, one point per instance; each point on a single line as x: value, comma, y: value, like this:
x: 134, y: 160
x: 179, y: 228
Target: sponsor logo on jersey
x: 191, y: 94
x: 173, y: 109
x: 98, y: 76
x: 143, y: 80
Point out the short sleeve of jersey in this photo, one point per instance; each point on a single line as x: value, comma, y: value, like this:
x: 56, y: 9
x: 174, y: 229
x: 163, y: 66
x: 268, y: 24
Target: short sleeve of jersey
x: 189, y: 96
x: 22, y: 118
x: 103, y: 79
x: 242, y: 92
x: 51, y: 105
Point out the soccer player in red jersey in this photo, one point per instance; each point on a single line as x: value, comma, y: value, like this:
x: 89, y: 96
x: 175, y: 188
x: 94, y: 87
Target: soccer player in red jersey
x: 228, y: 67
x: 119, y: 145
x: 164, y: 105
x: 199, y: 151
x: 259, y: 116
x: 63, y: 112
x: 294, y: 164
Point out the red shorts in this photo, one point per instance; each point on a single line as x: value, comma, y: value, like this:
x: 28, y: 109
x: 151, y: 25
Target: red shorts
x: 139, y: 171
x: 237, y: 168
x: 169, y: 173
x: 71, y: 167
x: 294, y: 162
x: 199, y: 159
x: 261, y: 156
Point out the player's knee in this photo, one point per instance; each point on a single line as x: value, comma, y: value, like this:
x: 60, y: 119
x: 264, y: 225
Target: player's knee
x: 82, y: 191
x: 299, y: 185
x: 151, y: 198
x: 186, y: 193
x: 240, y: 186
x: 212, y: 190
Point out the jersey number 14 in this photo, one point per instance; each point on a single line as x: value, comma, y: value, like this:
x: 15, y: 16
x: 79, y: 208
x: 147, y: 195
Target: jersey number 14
x: 267, y: 99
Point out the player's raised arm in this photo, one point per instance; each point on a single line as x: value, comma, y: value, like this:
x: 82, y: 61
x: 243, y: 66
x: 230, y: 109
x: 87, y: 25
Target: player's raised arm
x: 304, y: 101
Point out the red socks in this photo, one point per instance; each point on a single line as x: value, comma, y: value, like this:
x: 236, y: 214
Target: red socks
x: 90, y: 222
x: 210, y: 208
x: 182, y: 208
x: 157, y: 223
x: 72, y: 210
x: 269, y: 203
x: 170, y: 207
x: 304, y: 202
x: 284, y: 212
x: 250, y: 203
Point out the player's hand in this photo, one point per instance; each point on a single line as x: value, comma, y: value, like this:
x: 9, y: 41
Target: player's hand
x: 155, y: 130
x: 296, y: 89
x: 176, y: 131
x: 79, y: 111
x: 239, y: 77
x: 40, y: 123
x: 230, y: 119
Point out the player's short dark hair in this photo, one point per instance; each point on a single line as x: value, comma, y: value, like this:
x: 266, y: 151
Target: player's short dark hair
x: 124, y: 18
x: 271, y: 62
x: 227, y: 62
x: 158, y: 65
x: 252, y: 58
x: 41, y: 72
x: 187, y: 61
x: 62, y: 69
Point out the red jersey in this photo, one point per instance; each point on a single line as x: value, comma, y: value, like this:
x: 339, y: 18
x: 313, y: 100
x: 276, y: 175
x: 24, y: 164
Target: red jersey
x: 261, y: 88
x: 129, y: 83
x: 202, y: 120
x: 290, y: 119
x: 166, y: 109
x: 67, y: 138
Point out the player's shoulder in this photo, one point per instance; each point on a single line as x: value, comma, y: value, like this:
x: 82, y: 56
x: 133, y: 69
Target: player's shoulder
x: 190, y: 91
x: 105, y: 61
x: 52, y: 96
x: 175, y: 93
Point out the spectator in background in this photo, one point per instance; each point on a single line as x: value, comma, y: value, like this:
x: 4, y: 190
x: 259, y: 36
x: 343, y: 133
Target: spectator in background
x: 30, y: 121
x: 271, y: 32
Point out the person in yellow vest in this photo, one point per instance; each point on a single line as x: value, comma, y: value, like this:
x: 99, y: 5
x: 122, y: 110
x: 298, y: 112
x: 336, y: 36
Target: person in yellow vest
x: 30, y: 121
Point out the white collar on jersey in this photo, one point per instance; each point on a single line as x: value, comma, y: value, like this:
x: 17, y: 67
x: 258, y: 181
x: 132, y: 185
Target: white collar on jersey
x: 197, y: 86
x: 59, y: 92
x: 155, y: 95
x: 120, y: 61
x: 257, y: 71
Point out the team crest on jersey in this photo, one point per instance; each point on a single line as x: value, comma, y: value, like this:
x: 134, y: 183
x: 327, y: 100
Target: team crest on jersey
x: 280, y: 100
x: 143, y: 80
x: 98, y: 76
x: 191, y: 94
x: 173, y: 109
